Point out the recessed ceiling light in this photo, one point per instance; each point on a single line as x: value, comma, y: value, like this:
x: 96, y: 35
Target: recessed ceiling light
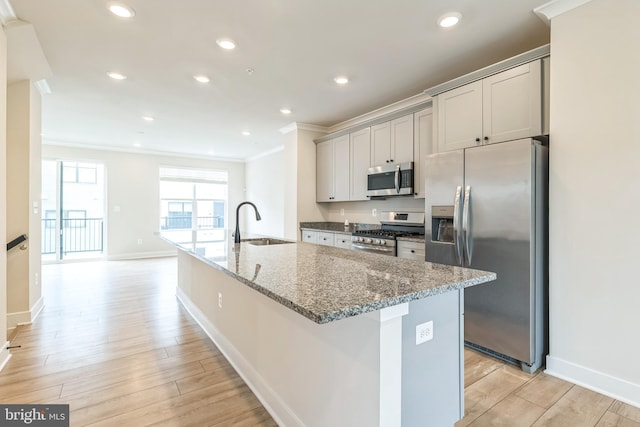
x: 148, y: 118
x: 116, y: 76
x: 137, y: 144
x: 341, y: 80
x: 450, y: 19
x: 121, y: 10
x: 202, y: 79
x: 285, y: 111
x: 246, y: 133
x: 227, y: 44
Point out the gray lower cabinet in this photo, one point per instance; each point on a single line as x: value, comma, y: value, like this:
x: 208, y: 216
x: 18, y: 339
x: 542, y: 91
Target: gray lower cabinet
x: 410, y: 250
x: 342, y: 240
x: 327, y: 238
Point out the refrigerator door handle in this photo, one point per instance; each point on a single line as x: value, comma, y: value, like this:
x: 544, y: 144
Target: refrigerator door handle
x: 467, y: 226
x: 457, y: 226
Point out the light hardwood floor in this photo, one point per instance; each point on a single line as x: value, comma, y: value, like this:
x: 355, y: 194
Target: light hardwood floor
x: 114, y: 344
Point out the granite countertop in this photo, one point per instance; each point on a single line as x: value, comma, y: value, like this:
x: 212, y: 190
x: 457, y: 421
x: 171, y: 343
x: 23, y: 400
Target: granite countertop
x: 325, y: 284
x: 417, y: 239
x: 337, y: 227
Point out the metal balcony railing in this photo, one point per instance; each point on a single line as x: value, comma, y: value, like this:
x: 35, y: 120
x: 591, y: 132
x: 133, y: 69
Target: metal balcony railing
x: 78, y: 235
x: 180, y: 222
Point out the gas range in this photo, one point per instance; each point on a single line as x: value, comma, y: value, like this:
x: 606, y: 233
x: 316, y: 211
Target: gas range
x: 393, y: 225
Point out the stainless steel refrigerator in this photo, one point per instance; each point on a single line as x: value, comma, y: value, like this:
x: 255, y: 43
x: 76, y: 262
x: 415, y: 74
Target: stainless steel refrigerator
x: 487, y: 208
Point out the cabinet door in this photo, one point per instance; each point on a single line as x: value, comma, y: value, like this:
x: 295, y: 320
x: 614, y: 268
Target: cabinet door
x: 324, y: 171
x: 422, y: 147
x: 513, y: 104
x: 410, y: 250
x: 309, y: 236
x: 360, y: 163
x: 402, y: 139
x: 342, y: 240
x: 325, y: 238
x: 460, y: 117
x: 341, y: 169
x: 380, y: 144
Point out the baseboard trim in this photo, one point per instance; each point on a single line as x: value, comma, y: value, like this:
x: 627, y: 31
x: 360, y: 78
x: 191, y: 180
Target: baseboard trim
x: 25, y: 317
x: 18, y: 318
x: 5, y: 355
x: 591, y: 379
x: 142, y: 255
x: 277, y: 408
x: 37, y: 309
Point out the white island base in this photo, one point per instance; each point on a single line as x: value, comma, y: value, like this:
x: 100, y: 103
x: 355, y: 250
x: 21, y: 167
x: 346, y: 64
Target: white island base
x: 364, y: 370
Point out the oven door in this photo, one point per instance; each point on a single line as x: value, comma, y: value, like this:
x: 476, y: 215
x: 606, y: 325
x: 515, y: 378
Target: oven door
x: 382, y: 250
x: 390, y: 180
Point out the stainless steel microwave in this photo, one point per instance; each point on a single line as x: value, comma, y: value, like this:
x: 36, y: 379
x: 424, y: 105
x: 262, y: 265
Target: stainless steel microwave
x: 392, y: 179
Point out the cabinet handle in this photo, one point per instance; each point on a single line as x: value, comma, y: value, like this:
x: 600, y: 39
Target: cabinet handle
x: 413, y: 251
x: 477, y: 139
x: 486, y: 138
x: 387, y: 161
x: 391, y: 160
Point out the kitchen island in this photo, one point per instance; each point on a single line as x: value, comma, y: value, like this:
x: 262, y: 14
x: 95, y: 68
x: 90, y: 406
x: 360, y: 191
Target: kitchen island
x: 328, y: 337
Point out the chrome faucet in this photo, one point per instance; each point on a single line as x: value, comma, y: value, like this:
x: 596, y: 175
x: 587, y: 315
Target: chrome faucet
x: 237, y: 232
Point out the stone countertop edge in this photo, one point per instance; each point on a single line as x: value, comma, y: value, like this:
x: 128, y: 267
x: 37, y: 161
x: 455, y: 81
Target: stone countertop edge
x: 337, y: 227
x: 327, y: 316
x: 411, y: 239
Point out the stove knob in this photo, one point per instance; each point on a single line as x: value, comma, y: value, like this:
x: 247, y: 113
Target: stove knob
x: 368, y: 241
x: 383, y: 242
x: 376, y: 241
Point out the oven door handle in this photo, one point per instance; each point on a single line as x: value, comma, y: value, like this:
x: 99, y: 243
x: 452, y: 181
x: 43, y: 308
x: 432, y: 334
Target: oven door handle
x: 373, y: 248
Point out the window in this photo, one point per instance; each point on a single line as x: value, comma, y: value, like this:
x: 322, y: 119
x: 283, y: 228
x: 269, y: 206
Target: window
x: 192, y: 199
x: 81, y: 173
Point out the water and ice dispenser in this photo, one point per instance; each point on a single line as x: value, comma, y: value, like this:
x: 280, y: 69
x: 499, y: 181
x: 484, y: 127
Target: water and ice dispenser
x: 442, y: 224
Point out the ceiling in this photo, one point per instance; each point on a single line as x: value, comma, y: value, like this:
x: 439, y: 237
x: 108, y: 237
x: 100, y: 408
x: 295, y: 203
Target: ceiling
x: 390, y: 50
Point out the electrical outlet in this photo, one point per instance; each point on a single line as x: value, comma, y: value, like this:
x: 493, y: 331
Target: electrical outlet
x: 374, y: 212
x: 220, y: 299
x: 37, y: 279
x: 424, y: 332
x: 341, y: 212
x: 139, y: 241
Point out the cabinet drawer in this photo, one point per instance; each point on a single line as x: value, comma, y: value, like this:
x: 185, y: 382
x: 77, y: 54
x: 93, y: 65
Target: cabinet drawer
x: 342, y: 241
x: 309, y: 236
x: 326, y: 239
x: 410, y: 250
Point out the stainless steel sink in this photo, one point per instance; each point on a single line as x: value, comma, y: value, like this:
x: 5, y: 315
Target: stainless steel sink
x: 266, y: 241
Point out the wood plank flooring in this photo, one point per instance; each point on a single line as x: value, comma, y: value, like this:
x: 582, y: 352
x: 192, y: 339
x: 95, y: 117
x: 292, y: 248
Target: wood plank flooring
x: 114, y: 343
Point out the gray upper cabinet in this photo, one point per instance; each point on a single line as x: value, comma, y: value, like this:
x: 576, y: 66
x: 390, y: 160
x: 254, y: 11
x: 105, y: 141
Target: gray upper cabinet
x: 360, y: 144
x: 422, y: 147
x: 332, y: 170
x: 498, y: 108
x: 392, y: 142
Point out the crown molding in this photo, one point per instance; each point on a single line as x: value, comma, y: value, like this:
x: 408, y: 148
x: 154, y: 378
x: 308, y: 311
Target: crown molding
x: 403, y: 104
x: 554, y: 8
x: 139, y: 151
x: 303, y: 126
x: 6, y: 12
x: 265, y: 153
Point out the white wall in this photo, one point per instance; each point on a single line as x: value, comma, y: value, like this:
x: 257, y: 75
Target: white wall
x: 4, y: 353
x: 23, y: 190
x: 595, y: 197
x: 265, y: 187
x: 133, y: 186
x: 361, y: 212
